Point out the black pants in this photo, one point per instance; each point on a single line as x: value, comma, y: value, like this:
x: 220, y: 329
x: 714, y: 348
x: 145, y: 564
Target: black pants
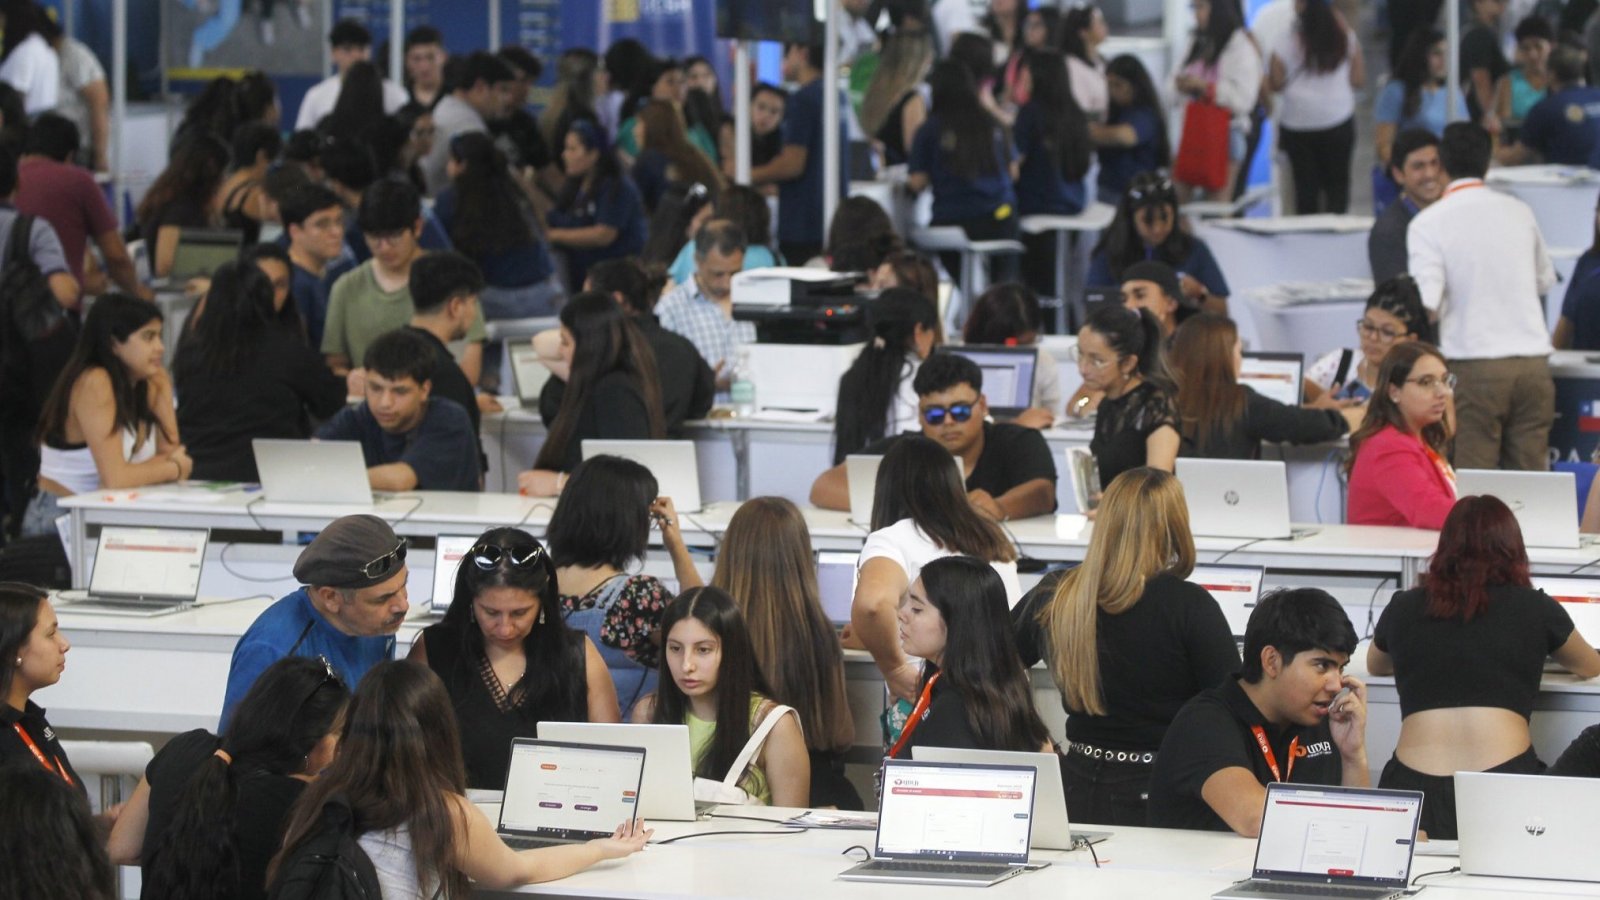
x: 1320, y: 161
x: 1106, y: 792
x: 1439, y: 791
x: 829, y: 786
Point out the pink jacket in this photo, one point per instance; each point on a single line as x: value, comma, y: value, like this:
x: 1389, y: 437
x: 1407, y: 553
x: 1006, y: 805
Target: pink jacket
x: 1395, y: 483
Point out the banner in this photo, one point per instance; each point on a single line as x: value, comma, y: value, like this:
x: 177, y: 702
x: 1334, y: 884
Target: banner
x: 207, y: 38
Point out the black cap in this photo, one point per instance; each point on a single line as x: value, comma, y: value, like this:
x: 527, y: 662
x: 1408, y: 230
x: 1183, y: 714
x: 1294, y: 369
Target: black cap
x: 352, y: 552
x: 1158, y: 272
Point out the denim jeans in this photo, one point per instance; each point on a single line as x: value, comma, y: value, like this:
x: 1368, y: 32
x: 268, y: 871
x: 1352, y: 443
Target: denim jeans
x: 43, y: 510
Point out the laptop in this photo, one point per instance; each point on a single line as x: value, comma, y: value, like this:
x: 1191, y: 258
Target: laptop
x: 1236, y: 498
x: 328, y: 473
x: 673, y: 463
x: 1274, y: 375
x: 1545, y: 503
x: 529, y: 371
x: 560, y: 793
x: 1008, y: 375
x: 951, y: 824
x: 448, y: 550
x: 1579, y: 595
x: 1527, y: 826
x: 1235, y: 588
x: 861, y: 471
x: 1051, y: 828
x: 201, y: 250
x: 143, y: 571
x: 1356, y: 843
x: 836, y: 584
x: 668, y: 792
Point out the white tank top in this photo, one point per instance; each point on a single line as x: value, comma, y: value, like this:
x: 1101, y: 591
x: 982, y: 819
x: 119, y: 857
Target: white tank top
x: 74, y: 469
x: 390, y: 852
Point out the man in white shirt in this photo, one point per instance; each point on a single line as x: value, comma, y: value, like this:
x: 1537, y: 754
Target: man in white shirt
x: 482, y: 95
x: 352, y: 43
x: 1481, y: 266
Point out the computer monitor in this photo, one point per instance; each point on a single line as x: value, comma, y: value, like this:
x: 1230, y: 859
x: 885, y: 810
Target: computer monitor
x: 448, y: 551
x: 1008, y: 374
x: 836, y: 583
x: 1235, y: 588
x: 1579, y: 595
x: 1274, y: 375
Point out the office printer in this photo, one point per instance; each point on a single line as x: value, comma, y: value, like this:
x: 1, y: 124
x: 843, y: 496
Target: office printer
x: 792, y: 305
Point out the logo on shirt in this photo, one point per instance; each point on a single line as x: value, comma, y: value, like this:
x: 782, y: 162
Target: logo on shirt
x: 1231, y: 498
x: 1312, y: 751
x: 1575, y: 114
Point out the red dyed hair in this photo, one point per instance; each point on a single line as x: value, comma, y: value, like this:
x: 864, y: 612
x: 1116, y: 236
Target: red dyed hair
x: 1480, y: 547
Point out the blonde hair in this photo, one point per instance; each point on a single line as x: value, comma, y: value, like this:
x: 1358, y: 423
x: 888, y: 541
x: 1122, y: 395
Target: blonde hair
x: 1140, y: 531
x: 907, y: 56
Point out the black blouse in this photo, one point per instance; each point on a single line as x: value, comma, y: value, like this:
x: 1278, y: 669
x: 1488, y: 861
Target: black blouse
x: 1264, y: 419
x: 615, y: 409
x: 1122, y: 426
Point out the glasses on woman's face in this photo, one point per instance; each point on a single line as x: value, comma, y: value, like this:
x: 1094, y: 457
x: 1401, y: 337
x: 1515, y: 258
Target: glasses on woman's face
x: 1094, y: 361
x: 958, y: 412
x: 487, y: 556
x: 1380, y: 333
x: 1439, y: 384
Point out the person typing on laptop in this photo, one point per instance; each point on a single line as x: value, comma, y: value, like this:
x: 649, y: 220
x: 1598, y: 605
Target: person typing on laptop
x: 1290, y: 715
x: 1010, y: 473
x: 352, y: 604
x: 411, y: 440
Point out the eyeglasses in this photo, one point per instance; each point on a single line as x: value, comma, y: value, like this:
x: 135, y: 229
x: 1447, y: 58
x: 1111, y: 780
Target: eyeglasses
x: 329, y: 676
x: 959, y: 412
x: 1378, y: 333
x: 1440, y: 384
x: 387, y: 237
x: 487, y: 556
x: 1076, y: 355
x: 386, y: 563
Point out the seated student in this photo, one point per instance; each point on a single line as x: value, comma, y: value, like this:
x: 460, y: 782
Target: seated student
x: 1581, y: 759
x: 710, y: 681
x: 975, y: 694
x: 313, y: 220
x: 1564, y: 127
x: 351, y: 169
x: 1475, y: 603
x: 1218, y: 418
x: 1414, y: 167
x: 507, y: 657
x: 56, y: 849
x: 1134, y: 136
x: 1009, y: 315
x: 210, y: 809
x: 701, y: 309
x: 1120, y: 355
x: 352, y: 604
x: 1010, y: 472
x: 1394, y: 315
x: 1291, y: 714
x: 688, y: 386
x: 599, y: 530
x: 411, y: 440
x: 1399, y: 474
x: 243, y: 375
x: 876, y: 399
x: 375, y: 298
x: 1128, y: 641
x: 399, y: 774
x: 1146, y: 226
x: 31, y: 636
x: 612, y: 391
x: 599, y: 214
x: 272, y: 261
x: 445, y: 290
x: 183, y: 196
x: 908, y: 269
x: 860, y: 236
x: 109, y: 421
x: 1579, y: 325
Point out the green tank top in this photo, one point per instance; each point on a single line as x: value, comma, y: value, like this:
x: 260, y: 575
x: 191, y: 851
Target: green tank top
x: 754, y: 782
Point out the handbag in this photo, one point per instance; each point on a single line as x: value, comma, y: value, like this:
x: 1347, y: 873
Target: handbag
x: 727, y: 791
x: 1202, y: 158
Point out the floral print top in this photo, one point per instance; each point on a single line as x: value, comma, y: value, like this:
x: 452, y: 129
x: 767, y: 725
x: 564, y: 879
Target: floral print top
x: 631, y: 624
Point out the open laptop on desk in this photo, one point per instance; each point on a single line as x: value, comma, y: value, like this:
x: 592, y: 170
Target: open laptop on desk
x: 951, y: 824
x: 1545, y: 503
x: 329, y: 473
x: 529, y: 371
x: 668, y: 787
x: 1527, y: 826
x: 1579, y: 595
x: 200, y: 251
x: 1008, y: 375
x: 1332, y: 843
x: 561, y: 793
x: 1235, y: 588
x: 1052, y: 830
x: 673, y: 463
x: 1274, y: 375
x: 1236, y: 498
x: 448, y: 551
x: 143, y: 571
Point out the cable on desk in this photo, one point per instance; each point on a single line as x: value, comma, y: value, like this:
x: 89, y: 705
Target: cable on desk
x: 407, y: 514
x: 1372, y: 602
x: 222, y: 558
x: 1011, y: 536
x: 685, y: 837
x: 1591, y: 563
x: 1322, y: 479
x: 249, y: 510
x: 1450, y: 871
x: 866, y: 854
x: 1089, y: 845
x: 529, y: 514
x: 1242, y: 546
x: 226, y: 601
x: 717, y: 815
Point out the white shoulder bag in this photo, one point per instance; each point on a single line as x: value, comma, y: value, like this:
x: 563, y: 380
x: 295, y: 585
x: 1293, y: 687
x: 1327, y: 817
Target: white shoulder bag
x: 727, y: 791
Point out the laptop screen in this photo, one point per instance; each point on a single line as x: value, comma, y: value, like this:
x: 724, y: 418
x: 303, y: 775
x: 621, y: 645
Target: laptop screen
x: 148, y: 563
x: 955, y: 812
x: 836, y: 583
x: 574, y: 789
x: 1579, y: 596
x: 447, y: 552
x: 1348, y: 835
x: 1008, y: 373
x: 530, y: 373
x: 1274, y: 375
x: 1235, y: 588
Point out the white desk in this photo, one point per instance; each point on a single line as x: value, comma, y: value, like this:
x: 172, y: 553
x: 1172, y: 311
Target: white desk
x: 1288, y: 320
x: 1562, y: 199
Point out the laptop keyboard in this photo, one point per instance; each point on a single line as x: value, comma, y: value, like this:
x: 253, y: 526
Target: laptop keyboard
x: 1310, y: 890
x: 524, y: 843
x: 901, y: 865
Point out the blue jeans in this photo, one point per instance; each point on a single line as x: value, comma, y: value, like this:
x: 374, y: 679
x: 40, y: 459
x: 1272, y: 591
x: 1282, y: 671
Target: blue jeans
x: 40, y: 518
x: 542, y: 298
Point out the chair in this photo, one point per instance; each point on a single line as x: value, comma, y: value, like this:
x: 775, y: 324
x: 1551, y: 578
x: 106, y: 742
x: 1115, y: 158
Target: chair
x: 109, y: 763
x: 975, y: 255
x: 1093, y: 220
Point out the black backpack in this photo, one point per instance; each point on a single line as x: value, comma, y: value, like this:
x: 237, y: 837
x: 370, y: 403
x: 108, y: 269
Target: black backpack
x: 37, y: 334
x: 329, y: 864
x: 31, y: 307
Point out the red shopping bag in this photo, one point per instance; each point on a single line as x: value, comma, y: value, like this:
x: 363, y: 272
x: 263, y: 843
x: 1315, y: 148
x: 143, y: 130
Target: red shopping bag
x: 1203, y: 150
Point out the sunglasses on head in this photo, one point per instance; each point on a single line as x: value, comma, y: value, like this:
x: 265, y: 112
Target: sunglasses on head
x: 958, y: 412
x: 487, y: 556
x: 387, y: 563
x: 1152, y: 191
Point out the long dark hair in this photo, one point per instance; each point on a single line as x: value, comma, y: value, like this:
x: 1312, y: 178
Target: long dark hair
x: 1134, y: 332
x: 1480, y: 546
x: 1400, y: 297
x: 867, y: 389
x: 553, y: 682
x: 606, y: 172
x: 664, y: 133
x: 291, y: 707
x: 114, y: 317
x: 225, y: 340
x: 980, y: 661
x: 604, y: 341
x: 918, y: 480
x: 399, y: 764
x: 1121, y: 243
x: 737, y: 676
x: 24, y: 19
x: 1002, y: 315
x: 1383, y: 412
x: 490, y: 216
x: 967, y: 136
x: 52, y: 848
x: 1210, y: 399
x: 199, y: 162
x: 19, y: 615
x: 1130, y: 69
x: 603, y: 518
x: 1069, y: 31
x: 360, y: 108
x: 1412, y: 70
x: 1066, y: 137
x: 1323, y: 35
x: 1226, y: 18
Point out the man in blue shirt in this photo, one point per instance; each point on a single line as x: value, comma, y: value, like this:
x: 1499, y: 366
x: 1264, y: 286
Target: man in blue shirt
x: 1564, y: 127
x: 410, y: 441
x: 797, y: 169
x: 348, y: 612
x: 313, y: 221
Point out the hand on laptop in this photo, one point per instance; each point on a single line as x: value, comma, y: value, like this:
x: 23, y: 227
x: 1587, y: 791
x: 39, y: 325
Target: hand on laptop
x: 628, y: 839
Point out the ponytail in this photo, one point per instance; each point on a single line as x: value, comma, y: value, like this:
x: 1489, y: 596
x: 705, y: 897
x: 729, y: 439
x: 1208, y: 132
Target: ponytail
x: 868, y: 388
x: 1137, y: 333
x: 197, y: 856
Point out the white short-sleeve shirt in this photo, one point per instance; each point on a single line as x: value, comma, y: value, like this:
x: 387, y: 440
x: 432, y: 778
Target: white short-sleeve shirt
x: 35, y: 71
x: 904, y: 544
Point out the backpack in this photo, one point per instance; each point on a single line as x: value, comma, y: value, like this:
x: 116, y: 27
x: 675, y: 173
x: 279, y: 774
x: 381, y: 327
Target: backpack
x: 329, y: 864
x: 31, y: 307
x: 37, y: 334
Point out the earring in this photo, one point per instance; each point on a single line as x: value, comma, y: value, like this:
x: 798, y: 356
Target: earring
x: 541, y: 622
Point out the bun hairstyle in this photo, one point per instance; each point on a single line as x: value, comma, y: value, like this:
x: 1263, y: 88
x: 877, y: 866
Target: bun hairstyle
x: 1136, y: 333
x: 1401, y: 298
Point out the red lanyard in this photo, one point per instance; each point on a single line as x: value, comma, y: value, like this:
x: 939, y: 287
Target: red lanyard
x: 1441, y: 464
x: 1466, y: 185
x: 918, y: 712
x: 59, y: 767
x: 1272, y: 759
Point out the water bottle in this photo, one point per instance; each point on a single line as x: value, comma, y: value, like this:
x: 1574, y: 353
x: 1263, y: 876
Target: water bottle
x: 743, y: 391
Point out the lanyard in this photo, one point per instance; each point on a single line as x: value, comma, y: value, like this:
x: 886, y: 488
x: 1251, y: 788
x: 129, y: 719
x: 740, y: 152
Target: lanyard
x: 1272, y: 759
x: 1466, y: 185
x: 59, y: 768
x: 918, y: 713
x: 1441, y: 464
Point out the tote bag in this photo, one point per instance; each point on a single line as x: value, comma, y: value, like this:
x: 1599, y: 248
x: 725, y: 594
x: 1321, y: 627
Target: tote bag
x: 1203, y: 150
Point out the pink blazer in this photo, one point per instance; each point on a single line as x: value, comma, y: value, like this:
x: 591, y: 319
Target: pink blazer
x: 1395, y: 483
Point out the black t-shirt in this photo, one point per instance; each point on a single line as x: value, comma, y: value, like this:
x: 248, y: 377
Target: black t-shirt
x: 1581, y: 759
x: 451, y: 383
x: 1012, y: 455
x: 1496, y: 659
x: 261, y: 805
x: 1123, y: 424
x: 688, y: 386
x: 1154, y: 657
x: 1265, y: 419
x: 1480, y: 49
x: 15, y: 751
x: 518, y: 136
x: 614, y: 410
x: 944, y: 724
x: 1213, y: 732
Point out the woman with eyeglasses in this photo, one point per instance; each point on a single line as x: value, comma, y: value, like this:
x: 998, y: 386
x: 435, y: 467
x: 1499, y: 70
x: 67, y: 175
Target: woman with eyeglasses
x: 1475, y: 604
x: 507, y: 657
x: 210, y: 811
x: 1145, y: 227
x: 1399, y: 473
x: 1394, y: 316
x: 599, y: 213
x: 600, y: 529
x: 1133, y: 138
x: 1120, y: 354
x: 876, y: 399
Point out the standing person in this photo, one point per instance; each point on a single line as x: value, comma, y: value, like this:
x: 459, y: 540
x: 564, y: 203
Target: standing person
x: 1053, y: 156
x: 767, y: 105
x: 27, y: 61
x: 1398, y: 471
x: 702, y: 308
x: 1394, y: 315
x: 1223, y: 66
x: 876, y: 398
x: 1414, y: 166
x: 506, y: 656
x: 1481, y: 266
x: 242, y: 200
x: 35, y: 651
x: 48, y: 185
x: 1133, y: 138
x: 1079, y: 35
x: 667, y: 158
x: 1128, y: 640
x: 1529, y: 80
x: 1416, y: 95
x: 1578, y: 328
x: 1147, y: 227
x: 517, y: 134
x: 894, y: 107
x: 797, y: 169
x: 351, y: 43
x: 1563, y: 128
x: 573, y: 97
x: 1477, y: 603
x: 599, y: 214
x: 1483, y: 63
x: 481, y: 94
x: 1317, y: 69
x: 425, y: 58
x: 1120, y: 352
x: 767, y: 567
x: 85, y: 99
